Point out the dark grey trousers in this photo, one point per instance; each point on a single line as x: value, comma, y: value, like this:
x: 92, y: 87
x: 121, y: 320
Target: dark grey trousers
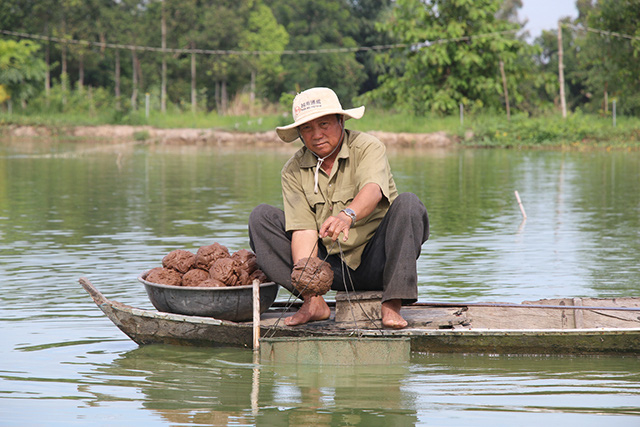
x: 388, y: 262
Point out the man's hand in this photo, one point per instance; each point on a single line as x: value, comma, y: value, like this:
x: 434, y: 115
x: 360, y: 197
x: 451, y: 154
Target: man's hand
x: 363, y: 204
x: 334, y: 225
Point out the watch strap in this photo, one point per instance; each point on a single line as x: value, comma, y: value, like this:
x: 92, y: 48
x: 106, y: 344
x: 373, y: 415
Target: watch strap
x: 351, y: 214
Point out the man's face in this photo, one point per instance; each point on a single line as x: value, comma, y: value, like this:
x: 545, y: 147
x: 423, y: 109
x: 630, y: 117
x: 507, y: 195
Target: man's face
x: 322, y: 135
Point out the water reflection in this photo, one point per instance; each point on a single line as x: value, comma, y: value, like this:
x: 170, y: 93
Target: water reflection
x: 224, y: 386
x: 343, y: 395
x: 218, y: 387
x: 526, y: 384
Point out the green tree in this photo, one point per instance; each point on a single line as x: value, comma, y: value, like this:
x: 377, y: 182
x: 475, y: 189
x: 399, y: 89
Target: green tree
x: 364, y: 15
x: 211, y: 25
x: 314, y: 25
x: 546, y: 67
x: 20, y: 69
x: 451, y: 61
x: 263, y: 33
x: 227, y: 74
x: 610, y: 64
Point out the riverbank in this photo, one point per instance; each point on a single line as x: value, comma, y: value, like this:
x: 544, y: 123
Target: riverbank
x: 212, y: 137
x: 577, y: 131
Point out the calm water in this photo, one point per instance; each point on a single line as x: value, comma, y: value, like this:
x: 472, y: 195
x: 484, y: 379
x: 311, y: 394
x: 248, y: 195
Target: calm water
x: 109, y: 212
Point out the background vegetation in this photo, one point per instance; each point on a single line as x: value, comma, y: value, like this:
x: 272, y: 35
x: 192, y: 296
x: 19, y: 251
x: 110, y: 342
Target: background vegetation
x: 222, y: 63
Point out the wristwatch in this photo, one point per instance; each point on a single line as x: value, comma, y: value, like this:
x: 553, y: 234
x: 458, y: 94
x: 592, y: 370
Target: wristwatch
x: 351, y: 214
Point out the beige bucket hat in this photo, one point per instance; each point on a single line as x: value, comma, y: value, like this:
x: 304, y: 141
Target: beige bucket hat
x: 311, y: 104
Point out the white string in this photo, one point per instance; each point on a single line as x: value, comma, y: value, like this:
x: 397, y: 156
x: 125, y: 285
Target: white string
x: 320, y: 160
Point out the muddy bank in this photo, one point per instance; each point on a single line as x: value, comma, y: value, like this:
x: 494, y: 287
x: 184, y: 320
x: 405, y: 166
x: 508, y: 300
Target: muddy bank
x: 211, y: 137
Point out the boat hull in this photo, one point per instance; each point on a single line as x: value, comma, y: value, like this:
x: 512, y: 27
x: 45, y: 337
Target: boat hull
x: 152, y: 327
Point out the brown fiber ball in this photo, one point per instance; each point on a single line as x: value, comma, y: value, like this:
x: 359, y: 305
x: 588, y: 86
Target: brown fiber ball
x: 312, y: 276
x: 179, y: 260
x: 224, y: 271
x: 195, y: 276
x: 164, y: 276
x: 210, y: 283
x: 246, y: 260
x: 258, y: 274
x: 243, y: 278
x: 207, y: 255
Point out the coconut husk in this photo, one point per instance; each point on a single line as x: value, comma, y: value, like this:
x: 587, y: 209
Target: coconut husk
x: 312, y: 276
x: 194, y: 277
x: 164, y: 276
x: 210, y: 283
x: 207, y: 255
x: 246, y: 260
x: 243, y: 278
x: 258, y: 274
x: 179, y: 260
x: 224, y: 270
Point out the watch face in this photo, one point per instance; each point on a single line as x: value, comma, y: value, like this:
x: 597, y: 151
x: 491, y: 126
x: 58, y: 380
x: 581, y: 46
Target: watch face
x: 351, y: 215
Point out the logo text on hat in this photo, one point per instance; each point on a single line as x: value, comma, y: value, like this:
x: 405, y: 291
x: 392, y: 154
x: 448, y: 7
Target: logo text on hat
x: 313, y: 103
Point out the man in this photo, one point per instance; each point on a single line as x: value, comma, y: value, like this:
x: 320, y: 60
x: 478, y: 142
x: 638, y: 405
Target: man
x: 340, y: 199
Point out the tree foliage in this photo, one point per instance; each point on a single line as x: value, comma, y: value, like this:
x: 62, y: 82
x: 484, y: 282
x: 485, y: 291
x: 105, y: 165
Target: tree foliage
x: 314, y: 25
x: 599, y: 66
x: 456, y: 47
x: 611, y: 64
x: 453, y: 54
x: 264, y: 34
x: 20, y: 69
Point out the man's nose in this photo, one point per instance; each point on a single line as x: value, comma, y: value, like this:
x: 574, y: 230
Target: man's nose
x: 316, y: 132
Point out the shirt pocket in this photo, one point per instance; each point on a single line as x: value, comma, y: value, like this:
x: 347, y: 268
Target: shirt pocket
x: 342, y: 196
x: 316, y: 200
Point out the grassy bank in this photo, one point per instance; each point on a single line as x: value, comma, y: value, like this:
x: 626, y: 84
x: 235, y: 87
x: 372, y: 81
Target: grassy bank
x: 481, y: 131
x: 577, y: 130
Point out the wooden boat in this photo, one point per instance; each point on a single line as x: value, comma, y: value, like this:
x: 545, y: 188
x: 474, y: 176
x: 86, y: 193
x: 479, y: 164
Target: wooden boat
x: 555, y: 326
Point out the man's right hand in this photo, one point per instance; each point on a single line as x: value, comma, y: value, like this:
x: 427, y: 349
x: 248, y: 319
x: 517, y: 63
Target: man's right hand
x: 334, y: 225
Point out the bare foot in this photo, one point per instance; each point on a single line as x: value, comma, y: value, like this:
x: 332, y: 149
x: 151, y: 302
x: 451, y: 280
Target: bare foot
x: 391, y: 315
x: 313, y: 308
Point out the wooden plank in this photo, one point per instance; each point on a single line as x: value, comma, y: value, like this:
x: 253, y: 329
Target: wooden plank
x: 569, y: 342
x: 578, y: 315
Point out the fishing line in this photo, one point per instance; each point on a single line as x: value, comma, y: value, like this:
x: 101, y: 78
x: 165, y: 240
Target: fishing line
x: 345, y: 275
x: 290, y: 301
x: 355, y: 322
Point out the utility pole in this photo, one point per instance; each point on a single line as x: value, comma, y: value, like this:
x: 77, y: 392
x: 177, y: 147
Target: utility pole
x: 563, y: 103
x: 163, y: 90
x: 194, y: 102
x: 505, y: 90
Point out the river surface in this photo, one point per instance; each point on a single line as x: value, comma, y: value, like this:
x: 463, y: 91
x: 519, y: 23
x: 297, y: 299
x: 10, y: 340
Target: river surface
x: 111, y: 211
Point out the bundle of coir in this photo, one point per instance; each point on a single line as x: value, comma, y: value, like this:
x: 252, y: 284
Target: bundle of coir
x: 210, y: 266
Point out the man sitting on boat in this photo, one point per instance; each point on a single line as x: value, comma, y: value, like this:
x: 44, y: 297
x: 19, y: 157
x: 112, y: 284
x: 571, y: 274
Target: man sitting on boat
x: 340, y: 183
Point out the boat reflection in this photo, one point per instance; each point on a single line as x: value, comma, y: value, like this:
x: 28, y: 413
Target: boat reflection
x: 214, y: 386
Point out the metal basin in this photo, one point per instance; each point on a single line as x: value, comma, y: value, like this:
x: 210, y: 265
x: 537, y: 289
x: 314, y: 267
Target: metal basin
x: 233, y: 303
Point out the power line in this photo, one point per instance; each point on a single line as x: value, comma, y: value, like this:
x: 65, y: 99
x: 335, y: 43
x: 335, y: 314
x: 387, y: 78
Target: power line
x: 412, y: 46
x: 601, y: 32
